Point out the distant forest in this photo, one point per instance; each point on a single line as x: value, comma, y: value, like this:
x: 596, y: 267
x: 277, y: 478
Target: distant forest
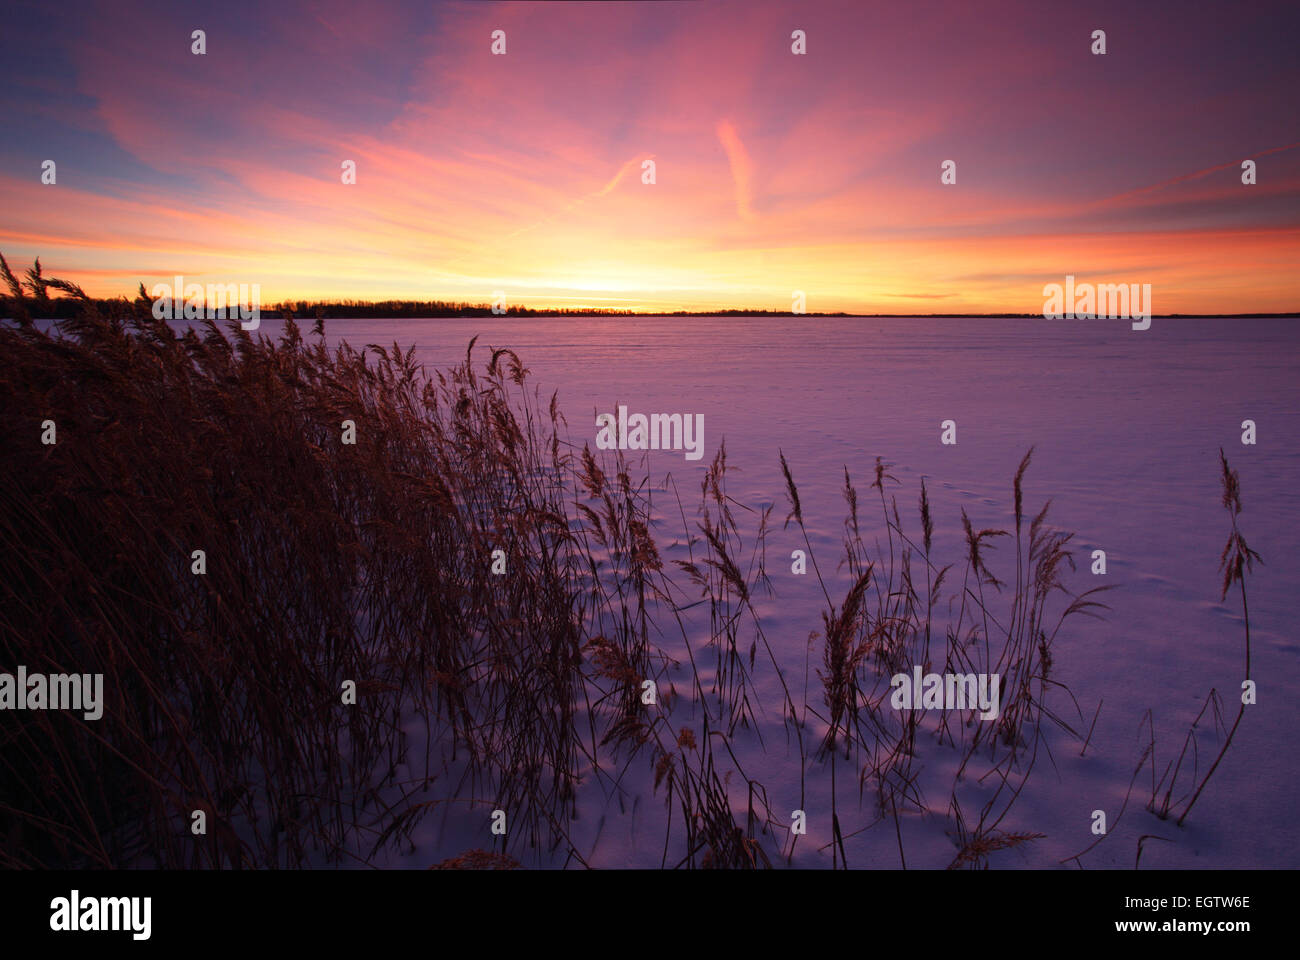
x: 65, y: 308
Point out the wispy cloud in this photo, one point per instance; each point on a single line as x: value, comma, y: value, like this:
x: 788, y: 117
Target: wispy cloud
x: 1132, y: 195
x: 742, y: 170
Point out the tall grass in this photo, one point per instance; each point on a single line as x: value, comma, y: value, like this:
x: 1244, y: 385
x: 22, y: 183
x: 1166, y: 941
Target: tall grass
x: 883, y: 626
x: 325, y: 563
x: 373, y: 563
x: 1236, y: 560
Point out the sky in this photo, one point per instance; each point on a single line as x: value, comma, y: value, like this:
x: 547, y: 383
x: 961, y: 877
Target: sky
x: 773, y: 172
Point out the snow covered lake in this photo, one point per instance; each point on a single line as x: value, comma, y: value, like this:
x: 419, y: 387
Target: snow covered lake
x: 1126, y: 426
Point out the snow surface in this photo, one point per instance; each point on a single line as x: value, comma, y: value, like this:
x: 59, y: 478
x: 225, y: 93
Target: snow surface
x: 1126, y: 427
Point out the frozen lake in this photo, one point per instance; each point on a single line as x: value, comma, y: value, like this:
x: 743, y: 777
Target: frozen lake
x: 1126, y: 427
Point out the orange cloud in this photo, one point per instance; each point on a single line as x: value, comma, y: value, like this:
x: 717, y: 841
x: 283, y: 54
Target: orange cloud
x: 742, y: 170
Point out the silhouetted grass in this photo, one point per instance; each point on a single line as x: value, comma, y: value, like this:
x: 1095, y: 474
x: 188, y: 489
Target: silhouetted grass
x: 325, y: 563
x: 373, y: 563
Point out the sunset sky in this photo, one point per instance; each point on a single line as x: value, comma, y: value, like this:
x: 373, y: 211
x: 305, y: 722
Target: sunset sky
x: 775, y: 172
